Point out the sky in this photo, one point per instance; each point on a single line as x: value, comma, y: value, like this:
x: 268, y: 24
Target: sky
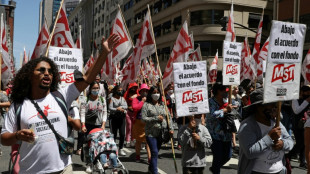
x: 26, y: 26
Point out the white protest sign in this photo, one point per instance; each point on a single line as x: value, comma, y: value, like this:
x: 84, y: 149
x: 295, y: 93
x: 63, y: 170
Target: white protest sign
x: 67, y: 60
x: 286, y: 42
x: 282, y: 78
x: 231, y: 63
x: 190, y: 87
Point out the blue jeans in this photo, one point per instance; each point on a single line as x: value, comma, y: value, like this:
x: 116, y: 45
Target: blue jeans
x: 154, y: 144
x: 112, y: 157
x: 222, y: 152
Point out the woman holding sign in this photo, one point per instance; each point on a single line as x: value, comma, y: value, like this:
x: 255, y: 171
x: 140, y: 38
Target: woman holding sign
x: 154, y: 116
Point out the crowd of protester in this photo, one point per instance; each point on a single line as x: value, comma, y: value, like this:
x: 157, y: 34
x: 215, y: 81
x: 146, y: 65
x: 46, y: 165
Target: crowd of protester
x: 238, y: 122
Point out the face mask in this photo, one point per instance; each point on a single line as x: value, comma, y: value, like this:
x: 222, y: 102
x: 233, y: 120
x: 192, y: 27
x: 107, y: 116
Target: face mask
x: 155, y: 96
x: 120, y: 93
x: 95, y: 92
x: 170, y: 92
x: 144, y: 94
x: 198, y: 121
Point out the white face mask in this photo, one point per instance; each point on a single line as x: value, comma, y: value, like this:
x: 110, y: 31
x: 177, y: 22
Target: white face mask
x: 155, y: 96
x: 198, y: 121
x: 170, y: 92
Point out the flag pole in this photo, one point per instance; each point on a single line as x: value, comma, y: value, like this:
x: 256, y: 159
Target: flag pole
x: 142, y: 74
x: 52, y: 34
x: 278, y: 114
x: 1, y: 61
x: 163, y: 94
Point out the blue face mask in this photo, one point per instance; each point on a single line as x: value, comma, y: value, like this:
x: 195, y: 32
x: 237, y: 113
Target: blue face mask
x: 95, y: 92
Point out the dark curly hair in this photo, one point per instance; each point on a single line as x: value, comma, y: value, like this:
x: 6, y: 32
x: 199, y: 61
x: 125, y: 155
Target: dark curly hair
x: 91, y: 86
x: 21, y: 84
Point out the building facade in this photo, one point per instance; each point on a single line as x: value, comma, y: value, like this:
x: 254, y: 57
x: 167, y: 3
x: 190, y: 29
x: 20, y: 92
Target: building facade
x: 203, y: 17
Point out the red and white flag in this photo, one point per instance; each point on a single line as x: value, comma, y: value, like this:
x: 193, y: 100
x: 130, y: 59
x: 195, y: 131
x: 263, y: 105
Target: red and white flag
x: 145, y: 47
x: 179, y: 53
x: 230, y: 34
x: 196, y: 55
x: 262, y: 57
x: 89, y: 63
x: 25, y: 58
x: 246, y: 71
x: 42, y: 42
x: 124, y: 45
x: 256, y: 49
x: 6, y: 63
x: 305, y: 70
x: 212, y: 75
x: 62, y: 35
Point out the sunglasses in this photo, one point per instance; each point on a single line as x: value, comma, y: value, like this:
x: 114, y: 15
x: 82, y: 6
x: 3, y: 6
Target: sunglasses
x: 42, y: 70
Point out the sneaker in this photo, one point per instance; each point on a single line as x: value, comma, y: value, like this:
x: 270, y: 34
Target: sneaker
x: 115, y: 171
x: 127, y: 144
x: 88, y: 169
x: 143, y: 146
x: 138, y: 158
x: 132, y: 144
x: 122, y: 152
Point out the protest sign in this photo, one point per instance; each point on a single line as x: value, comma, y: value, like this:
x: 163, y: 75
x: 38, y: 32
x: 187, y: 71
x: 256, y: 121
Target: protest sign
x: 231, y: 63
x: 190, y: 87
x: 286, y: 42
x: 67, y: 60
x: 282, y: 78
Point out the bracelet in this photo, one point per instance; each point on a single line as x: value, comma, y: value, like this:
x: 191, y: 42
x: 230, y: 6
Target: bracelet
x: 83, y: 125
x: 16, y: 137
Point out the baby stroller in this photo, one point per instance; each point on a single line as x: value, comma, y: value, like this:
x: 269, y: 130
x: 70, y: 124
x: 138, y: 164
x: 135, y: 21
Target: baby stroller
x: 102, y: 145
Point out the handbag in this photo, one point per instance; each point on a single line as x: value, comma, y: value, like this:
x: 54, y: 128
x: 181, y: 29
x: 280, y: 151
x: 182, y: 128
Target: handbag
x: 66, y: 145
x: 165, y: 135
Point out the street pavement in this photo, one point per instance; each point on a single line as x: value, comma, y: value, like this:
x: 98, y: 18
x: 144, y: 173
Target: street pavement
x: 165, y: 162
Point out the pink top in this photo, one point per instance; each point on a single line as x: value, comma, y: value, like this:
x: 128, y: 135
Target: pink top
x: 137, y: 105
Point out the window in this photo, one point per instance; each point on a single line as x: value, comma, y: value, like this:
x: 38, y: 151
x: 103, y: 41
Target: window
x: 157, y: 31
x: 206, y: 17
x: 166, y: 53
x: 177, y: 23
x: 305, y: 19
x: 253, y: 20
x: 102, y: 31
x: 166, y: 27
x: 157, y: 7
x: 208, y: 48
x: 167, y: 3
x: 138, y: 18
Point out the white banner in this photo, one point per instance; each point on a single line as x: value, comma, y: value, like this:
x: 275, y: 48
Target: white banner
x: 286, y: 42
x: 231, y: 63
x: 67, y: 60
x: 190, y: 87
x: 282, y: 78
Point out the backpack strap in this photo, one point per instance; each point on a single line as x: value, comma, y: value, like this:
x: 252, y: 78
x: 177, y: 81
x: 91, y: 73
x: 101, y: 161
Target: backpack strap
x: 17, y: 109
x: 61, y: 102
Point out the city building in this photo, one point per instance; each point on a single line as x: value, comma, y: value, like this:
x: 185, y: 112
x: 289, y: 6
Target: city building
x: 8, y: 10
x: 203, y: 17
x: 297, y: 11
x: 49, y: 10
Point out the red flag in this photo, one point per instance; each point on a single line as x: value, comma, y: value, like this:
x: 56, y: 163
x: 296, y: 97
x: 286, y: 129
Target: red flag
x: 62, y: 35
x: 212, y: 75
x: 305, y: 70
x: 6, y: 63
x: 42, y: 42
x: 262, y: 57
x: 256, y: 48
x: 124, y: 45
x: 25, y: 59
x: 180, y: 51
x: 230, y: 34
x: 196, y: 55
x: 145, y: 47
x: 246, y: 71
x: 77, y: 43
x: 89, y: 63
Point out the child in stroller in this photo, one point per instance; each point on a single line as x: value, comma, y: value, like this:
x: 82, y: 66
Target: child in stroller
x: 103, y: 147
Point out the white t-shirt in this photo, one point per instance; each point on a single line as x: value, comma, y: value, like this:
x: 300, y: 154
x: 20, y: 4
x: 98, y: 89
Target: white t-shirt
x: 42, y: 156
x: 269, y: 161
